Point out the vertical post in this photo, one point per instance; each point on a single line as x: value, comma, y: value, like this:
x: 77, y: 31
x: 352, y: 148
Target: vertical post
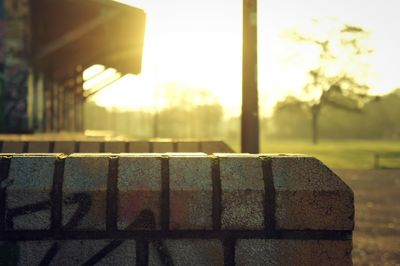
x: 69, y: 106
x: 79, y: 100
x: 15, y: 66
x: 250, y: 123
x: 376, y: 161
x: 48, y: 115
x: 54, y: 101
x: 61, y: 103
x: 66, y: 103
x: 41, y: 104
x: 79, y: 111
x: 2, y: 63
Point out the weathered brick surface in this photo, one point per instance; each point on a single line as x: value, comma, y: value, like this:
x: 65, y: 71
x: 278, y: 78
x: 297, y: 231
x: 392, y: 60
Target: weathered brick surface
x: 188, y: 146
x: 190, y: 192
x: 139, y: 146
x: 307, y: 197
x: 139, y: 188
x: 310, y: 196
x: 181, y: 252
x: 74, y: 252
x: 28, y: 188
x: 188, y: 252
x: 293, y: 252
x: 84, y: 191
x: 163, y: 146
x: 242, y: 191
x: 13, y: 147
x: 39, y: 147
x: 24, y: 252
x: 66, y: 147
x: 115, y: 146
x: 210, y: 147
x: 89, y: 146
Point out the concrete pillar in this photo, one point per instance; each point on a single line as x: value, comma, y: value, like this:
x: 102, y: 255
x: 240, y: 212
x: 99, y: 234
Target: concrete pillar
x: 250, y: 123
x: 47, y: 121
x: 2, y: 61
x: 15, y: 66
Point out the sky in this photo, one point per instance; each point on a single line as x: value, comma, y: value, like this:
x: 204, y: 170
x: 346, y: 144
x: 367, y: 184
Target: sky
x: 199, y: 44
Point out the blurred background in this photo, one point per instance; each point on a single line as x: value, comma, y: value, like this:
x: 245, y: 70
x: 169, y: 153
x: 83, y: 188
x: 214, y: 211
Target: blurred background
x: 328, y: 84
x: 327, y: 73
x: 192, y: 68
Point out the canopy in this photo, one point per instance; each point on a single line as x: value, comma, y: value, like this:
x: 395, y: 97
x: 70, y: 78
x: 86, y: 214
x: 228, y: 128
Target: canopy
x: 66, y: 34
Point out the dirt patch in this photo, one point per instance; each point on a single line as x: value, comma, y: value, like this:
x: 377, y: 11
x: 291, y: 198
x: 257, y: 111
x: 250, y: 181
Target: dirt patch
x: 376, y: 239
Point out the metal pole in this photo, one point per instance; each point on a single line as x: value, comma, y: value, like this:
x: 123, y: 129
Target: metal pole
x: 250, y: 123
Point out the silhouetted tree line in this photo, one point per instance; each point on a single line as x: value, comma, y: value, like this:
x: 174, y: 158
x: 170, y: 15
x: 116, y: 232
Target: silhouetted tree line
x: 378, y: 119
x: 334, y: 81
x: 187, y: 114
x: 335, y: 104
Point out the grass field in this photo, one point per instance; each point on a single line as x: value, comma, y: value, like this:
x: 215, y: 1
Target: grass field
x: 340, y: 154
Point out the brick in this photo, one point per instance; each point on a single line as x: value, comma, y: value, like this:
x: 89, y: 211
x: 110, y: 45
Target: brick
x: 190, y: 191
x: 139, y: 146
x: 28, y: 252
x: 77, y: 252
x: 243, y: 192
x: 139, y: 188
x: 89, y: 146
x: 225, y: 147
x: 210, y: 147
x: 39, y: 147
x: 85, y: 190
x: 188, y: 146
x: 115, y: 146
x: 163, y: 146
x: 29, y: 182
x: 188, y: 252
x: 13, y: 147
x: 293, y: 252
x: 66, y: 147
x: 310, y: 196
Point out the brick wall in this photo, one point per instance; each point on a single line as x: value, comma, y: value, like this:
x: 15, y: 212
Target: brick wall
x: 173, y: 209
x: 69, y: 147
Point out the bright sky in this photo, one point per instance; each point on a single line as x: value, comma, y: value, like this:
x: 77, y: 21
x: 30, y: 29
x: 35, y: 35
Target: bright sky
x: 199, y: 43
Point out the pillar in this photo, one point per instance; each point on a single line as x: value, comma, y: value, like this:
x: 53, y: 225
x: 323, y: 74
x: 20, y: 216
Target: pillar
x: 15, y: 48
x: 250, y: 123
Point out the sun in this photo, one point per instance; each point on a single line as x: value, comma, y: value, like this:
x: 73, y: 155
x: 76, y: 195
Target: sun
x: 199, y: 43
x: 189, y: 43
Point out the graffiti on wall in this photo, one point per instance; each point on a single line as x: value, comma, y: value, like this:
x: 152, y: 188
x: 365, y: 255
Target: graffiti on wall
x: 15, y: 72
x: 12, y: 252
x: 2, y: 59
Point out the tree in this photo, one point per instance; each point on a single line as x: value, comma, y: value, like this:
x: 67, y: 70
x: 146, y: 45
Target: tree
x: 378, y: 120
x: 189, y: 112
x: 290, y: 119
x: 335, y: 78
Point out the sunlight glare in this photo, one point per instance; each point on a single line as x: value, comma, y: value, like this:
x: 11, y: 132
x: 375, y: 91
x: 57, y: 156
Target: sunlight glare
x: 131, y: 87
x: 106, y: 82
x: 135, y: 3
x: 92, y: 71
x: 99, y: 79
x: 199, y: 43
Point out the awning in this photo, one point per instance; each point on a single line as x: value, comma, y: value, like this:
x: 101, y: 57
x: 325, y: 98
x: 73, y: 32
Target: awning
x: 70, y: 33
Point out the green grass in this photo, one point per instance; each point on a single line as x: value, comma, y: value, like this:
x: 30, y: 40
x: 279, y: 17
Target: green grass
x: 339, y: 154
